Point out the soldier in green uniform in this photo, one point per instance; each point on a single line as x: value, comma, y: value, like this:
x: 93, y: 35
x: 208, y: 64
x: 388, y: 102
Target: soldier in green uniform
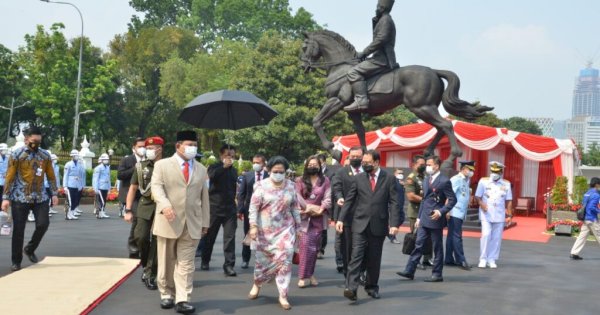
x: 145, y: 240
x: 414, y: 193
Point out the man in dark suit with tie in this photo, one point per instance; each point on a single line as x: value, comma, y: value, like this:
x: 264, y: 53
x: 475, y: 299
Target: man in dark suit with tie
x: 245, y: 194
x: 373, y: 196
x: 438, y: 200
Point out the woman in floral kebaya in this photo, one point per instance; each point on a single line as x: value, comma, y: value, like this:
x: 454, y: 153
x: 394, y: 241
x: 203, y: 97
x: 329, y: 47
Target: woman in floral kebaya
x: 274, y: 217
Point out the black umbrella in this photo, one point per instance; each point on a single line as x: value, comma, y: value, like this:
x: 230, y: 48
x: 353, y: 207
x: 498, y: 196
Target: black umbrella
x: 227, y: 109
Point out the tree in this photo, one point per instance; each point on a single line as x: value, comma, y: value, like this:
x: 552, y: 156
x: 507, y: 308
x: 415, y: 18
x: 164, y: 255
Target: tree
x: 11, y: 80
x: 240, y: 20
x: 592, y: 156
x: 49, y: 63
x: 521, y: 125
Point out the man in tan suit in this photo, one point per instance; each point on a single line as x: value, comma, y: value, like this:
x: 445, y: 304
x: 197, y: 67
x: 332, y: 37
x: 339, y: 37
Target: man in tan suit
x: 180, y: 190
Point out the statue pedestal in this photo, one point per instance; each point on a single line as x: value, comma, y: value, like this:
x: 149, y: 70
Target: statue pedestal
x: 86, y: 155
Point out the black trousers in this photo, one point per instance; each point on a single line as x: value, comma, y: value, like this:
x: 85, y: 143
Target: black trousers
x: 146, y: 243
x: 428, y: 246
x: 246, y: 252
x: 323, y: 239
x: 19, y: 213
x: 229, y: 224
x: 365, y: 244
x: 131, y: 239
x: 101, y: 199
x: 74, y: 197
x: 427, y: 235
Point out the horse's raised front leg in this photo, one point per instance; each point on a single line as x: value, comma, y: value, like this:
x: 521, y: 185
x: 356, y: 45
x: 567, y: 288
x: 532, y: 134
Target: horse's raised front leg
x: 359, y: 128
x: 331, y: 107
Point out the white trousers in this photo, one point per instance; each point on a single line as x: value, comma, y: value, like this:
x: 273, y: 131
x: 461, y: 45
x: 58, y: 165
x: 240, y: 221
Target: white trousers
x: 586, y: 228
x: 491, y: 239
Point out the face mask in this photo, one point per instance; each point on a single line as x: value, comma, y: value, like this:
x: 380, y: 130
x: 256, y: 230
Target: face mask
x: 3, y: 152
x: 190, y: 152
x: 105, y: 162
x: 368, y: 168
x: 54, y: 161
x: 140, y: 152
x: 257, y: 167
x: 312, y: 171
x: 400, y: 177
x: 75, y: 158
x: 355, y: 162
x: 34, y: 145
x: 429, y: 170
x: 151, y: 155
x: 470, y: 174
x: 421, y: 169
x: 277, y: 178
x: 495, y: 176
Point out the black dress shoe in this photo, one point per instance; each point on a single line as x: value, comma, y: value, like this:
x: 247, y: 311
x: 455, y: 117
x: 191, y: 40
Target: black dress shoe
x: 350, y: 295
x: 450, y: 263
x: 31, y: 255
x: 340, y: 268
x: 406, y: 275
x: 204, y: 266
x: 245, y: 265
x: 15, y: 267
x: 184, y: 308
x: 576, y: 257
x: 134, y: 254
x: 374, y: 294
x: 434, y: 279
x: 198, y: 254
x: 150, y: 283
x: 144, y: 277
x: 464, y: 266
x: 427, y: 263
x: 166, y: 304
x: 420, y: 266
x: 229, y: 272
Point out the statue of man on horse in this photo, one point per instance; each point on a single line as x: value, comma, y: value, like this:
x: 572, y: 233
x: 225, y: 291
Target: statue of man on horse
x: 383, y: 59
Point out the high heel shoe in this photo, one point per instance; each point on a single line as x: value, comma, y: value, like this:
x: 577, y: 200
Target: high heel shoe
x: 285, y: 304
x: 254, y: 292
x: 313, y: 281
x: 302, y: 284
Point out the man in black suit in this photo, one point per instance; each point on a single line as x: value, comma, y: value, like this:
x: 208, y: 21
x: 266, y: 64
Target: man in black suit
x: 373, y: 196
x: 244, y: 196
x: 329, y: 173
x: 124, y: 174
x: 223, y: 184
x: 438, y: 200
x: 340, y: 186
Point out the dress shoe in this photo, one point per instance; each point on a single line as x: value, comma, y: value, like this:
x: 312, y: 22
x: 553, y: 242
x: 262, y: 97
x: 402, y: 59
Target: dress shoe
x: 254, y: 292
x: 245, y: 265
x: 464, y: 266
x: 406, y: 275
x: 350, y: 295
x: 576, y: 257
x: 184, y: 308
x: 167, y: 304
x: 362, y: 280
x: 31, y: 255
x: 340, y: 268
x: 420, y: 266
x: 15, y: 267
x: 320, y: 255
x: 204, y: 266
x: 229, y: 272
x: 434, y: 279
x: 302, y: 284
x: 450, y: 263
x: 374, y: 294
x: 151, y: 283
x: 427, y: 263
x: 144, y: 277
x: 482, y: 263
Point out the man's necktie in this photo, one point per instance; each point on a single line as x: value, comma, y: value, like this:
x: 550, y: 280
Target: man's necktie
x: 257, y: 176
x: 373, y: 182
x: 186, y: 171
x: 357, y: 171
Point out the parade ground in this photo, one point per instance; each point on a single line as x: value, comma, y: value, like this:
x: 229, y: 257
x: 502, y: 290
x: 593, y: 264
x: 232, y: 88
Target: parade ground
x: 532, y: 278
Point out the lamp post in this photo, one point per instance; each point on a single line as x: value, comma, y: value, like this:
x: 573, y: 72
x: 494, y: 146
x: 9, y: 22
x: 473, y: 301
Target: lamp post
x: 11, y: 109
x: 76, y: 127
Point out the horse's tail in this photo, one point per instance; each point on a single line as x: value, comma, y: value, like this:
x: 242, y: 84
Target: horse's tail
x: 453, y: 104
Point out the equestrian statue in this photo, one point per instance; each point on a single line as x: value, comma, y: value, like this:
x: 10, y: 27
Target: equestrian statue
x: 371, y: 82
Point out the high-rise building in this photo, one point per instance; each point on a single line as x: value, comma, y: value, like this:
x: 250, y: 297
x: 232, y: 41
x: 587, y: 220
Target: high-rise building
x: 586, y: 96
x: 584, y: 131
x: 546, y: 125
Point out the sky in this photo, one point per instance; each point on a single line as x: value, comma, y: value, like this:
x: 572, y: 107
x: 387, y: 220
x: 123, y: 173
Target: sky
x: 521, y: 57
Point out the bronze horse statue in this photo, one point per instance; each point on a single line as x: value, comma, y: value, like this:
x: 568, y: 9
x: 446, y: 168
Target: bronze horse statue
x: 419, y: 88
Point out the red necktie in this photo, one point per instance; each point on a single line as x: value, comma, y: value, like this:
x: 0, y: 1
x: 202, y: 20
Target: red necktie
x: 357, y: 170
x: 186, y: 171
x: 257, y: 176
x: 373, y: 182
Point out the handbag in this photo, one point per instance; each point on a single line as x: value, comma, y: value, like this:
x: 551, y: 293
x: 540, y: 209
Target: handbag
x: 581, y: 211
x: 296, y: 258
x: 409, y: 243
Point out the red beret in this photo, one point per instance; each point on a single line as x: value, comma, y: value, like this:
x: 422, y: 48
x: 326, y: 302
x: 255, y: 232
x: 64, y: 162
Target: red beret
x: 154, y: 141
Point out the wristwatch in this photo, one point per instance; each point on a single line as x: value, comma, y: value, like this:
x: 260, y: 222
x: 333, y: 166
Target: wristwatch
x: 509, y: 216
x: 127, y: 210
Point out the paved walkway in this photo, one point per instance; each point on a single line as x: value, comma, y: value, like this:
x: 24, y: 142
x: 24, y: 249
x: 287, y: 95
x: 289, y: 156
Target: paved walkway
x: 532, y: 278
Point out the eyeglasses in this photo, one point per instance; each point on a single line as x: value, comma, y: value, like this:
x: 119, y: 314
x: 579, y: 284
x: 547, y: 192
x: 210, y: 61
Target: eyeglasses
x: 277, y: 172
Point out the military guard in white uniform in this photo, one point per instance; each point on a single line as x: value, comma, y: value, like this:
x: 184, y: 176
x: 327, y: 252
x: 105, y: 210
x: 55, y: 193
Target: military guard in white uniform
x: 73, y: 181
x: 101, y: 185
x: 494, y: 196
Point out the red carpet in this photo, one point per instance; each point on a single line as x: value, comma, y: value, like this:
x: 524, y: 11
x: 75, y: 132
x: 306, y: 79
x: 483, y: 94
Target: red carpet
x: 528, y: 229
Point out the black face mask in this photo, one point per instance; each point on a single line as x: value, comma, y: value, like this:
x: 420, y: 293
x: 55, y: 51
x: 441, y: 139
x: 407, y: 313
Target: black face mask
x: 355, y: 162
x: 312, y: 171
x: 368, y: 168
x: 421, y: 169
x: 34, y: 145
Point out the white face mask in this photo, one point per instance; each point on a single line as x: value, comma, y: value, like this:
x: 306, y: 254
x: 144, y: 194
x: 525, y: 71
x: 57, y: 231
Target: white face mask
x: 256, y: 167
x: 277, y: 178
x: 400, y: 177
x: 140, y: 152
x: 75, y: 157
x: 3, y: 152
x: 190, y: 152
x: 470, y: 174
x: 495, y: 177
x: 105, y: 162
x: 429, y: 170
x: 151, y: 154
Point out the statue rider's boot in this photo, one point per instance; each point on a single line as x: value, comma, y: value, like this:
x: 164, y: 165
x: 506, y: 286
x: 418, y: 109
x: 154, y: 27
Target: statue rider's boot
x: 361, y: 101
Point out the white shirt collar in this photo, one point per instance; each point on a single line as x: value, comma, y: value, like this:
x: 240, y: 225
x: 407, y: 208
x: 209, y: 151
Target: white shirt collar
x: 376, y: 173
x: 181, y: 161
x: 354, y: 170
